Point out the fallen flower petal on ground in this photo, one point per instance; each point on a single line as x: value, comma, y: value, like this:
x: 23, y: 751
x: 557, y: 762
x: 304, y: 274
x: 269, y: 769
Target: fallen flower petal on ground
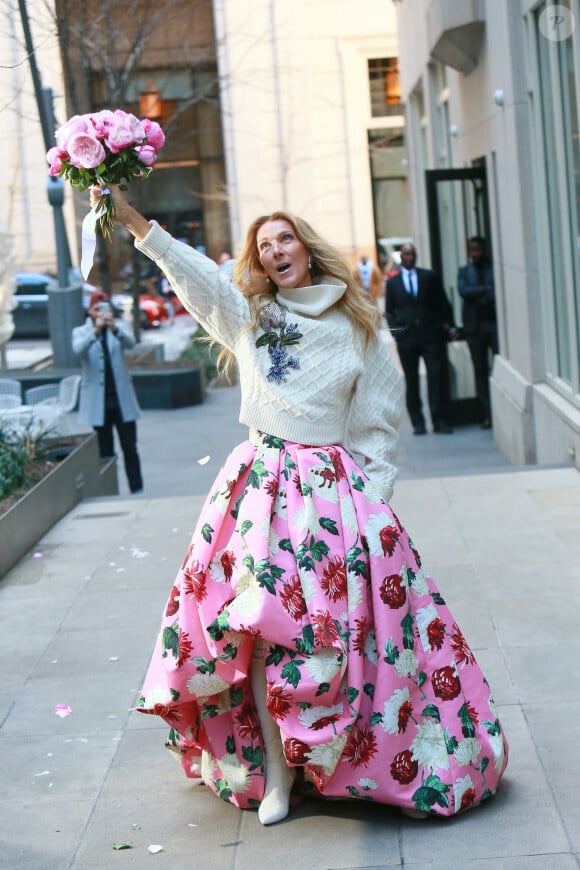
x: 62, y: 710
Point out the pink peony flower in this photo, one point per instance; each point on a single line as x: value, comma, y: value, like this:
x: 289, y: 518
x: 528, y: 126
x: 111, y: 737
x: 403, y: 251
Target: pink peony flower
x: 55, y: 158
x: 75, y: 125
x: 119, y: 136
x: 134, y: 124
x: 102, y: 121
x: 153, y: 133
x: 85, y: 151
x: 147, y: 155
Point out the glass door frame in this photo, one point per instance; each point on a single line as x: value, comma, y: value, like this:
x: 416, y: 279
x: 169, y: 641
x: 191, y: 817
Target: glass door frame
x: 471, y: 211
x: 432, y: 178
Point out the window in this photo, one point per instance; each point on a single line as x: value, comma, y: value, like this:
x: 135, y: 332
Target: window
x: 570, y: 73
x: 385, y: 87
x: 390, y: 190
x: 559, y: 74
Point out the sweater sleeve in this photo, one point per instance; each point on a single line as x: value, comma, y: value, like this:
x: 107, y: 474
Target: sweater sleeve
x: 203, y: 289
x: 374, y: 418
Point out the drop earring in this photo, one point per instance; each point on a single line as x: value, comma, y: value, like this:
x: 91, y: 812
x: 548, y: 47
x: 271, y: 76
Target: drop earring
x: 309, y: 262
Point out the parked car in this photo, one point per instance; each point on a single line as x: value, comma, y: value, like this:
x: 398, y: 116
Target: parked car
x: 30, y: 315
x: 152, y: 309
x: 31, y: 312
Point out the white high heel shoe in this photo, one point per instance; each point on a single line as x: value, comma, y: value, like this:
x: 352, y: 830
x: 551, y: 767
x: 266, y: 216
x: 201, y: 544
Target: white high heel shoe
x: 279, y: 777
x: 279, y: 781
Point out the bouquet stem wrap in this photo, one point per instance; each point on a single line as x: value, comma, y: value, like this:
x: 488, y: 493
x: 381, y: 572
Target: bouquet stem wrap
x: 89, y: 234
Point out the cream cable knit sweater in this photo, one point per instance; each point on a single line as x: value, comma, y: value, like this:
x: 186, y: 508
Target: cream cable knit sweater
x: 337, y: 395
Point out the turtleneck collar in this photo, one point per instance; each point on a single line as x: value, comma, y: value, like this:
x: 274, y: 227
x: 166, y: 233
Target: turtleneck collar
x: 314, y: 300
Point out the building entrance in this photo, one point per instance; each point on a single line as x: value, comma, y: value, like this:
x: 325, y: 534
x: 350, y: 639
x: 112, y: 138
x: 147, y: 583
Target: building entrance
x: 457, y: 208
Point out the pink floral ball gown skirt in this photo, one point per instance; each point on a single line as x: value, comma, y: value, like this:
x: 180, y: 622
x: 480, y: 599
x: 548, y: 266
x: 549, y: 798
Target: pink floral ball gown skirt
x: 375, y: 690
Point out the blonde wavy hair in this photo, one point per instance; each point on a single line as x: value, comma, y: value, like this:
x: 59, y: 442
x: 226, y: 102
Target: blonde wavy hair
x: 249, y: 276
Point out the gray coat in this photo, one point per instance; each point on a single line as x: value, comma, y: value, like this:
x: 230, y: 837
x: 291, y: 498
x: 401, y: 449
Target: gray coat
x: 87, y: 345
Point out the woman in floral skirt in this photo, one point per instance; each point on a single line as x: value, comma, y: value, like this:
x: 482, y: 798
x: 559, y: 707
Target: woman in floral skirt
x: 302, y: 633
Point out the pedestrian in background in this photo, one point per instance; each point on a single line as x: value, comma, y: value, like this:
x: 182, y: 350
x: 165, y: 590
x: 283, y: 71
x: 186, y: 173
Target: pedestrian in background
x: 302, y: 636
x: 476, y: 287
x: 421, y: 321
x: 107, y: 397
x: 369, y: 277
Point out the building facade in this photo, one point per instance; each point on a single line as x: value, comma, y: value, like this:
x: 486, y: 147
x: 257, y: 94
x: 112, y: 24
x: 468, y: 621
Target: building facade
x: 312, y: 116
x: 492, y: 94
x: 25, y: 212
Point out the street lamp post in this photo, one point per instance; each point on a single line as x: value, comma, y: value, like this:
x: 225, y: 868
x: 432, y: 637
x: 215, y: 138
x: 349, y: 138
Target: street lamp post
x: 65, y: 302
x: 65, y: 308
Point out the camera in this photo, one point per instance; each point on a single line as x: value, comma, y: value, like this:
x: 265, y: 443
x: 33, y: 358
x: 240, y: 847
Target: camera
x: 104, y: 308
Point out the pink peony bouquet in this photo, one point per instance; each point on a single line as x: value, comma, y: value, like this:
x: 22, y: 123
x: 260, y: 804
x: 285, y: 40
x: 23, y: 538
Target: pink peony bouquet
x: 105, y: 148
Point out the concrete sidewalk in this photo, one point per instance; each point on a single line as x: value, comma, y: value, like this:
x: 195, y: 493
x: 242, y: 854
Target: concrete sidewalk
x: 79, y: 617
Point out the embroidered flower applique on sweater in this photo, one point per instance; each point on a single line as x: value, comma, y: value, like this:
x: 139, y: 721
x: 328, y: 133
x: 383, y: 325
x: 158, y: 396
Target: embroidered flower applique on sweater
x: 278, y: 335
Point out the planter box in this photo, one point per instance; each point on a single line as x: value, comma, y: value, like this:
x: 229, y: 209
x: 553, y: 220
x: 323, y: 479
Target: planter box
x: 169, y: 385
x: 78, y: 475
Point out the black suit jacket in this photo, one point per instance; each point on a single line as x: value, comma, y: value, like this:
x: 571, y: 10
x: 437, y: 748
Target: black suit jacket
x: 414, y: 319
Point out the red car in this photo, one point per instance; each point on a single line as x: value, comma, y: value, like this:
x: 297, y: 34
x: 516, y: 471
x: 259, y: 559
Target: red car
x: 152, y: 309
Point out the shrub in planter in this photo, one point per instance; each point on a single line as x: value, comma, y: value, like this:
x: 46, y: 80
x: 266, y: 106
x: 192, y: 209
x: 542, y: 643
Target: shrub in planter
x: 13, y: 462
x: 56, y: 479
x: 20, y: 451
x: 204, y: 350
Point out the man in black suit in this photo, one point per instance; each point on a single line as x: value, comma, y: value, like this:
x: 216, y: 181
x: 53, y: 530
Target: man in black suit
x: 420, y: 318
x: 476, y: 288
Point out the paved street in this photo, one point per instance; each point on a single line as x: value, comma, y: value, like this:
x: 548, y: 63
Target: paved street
x: 79, y: 616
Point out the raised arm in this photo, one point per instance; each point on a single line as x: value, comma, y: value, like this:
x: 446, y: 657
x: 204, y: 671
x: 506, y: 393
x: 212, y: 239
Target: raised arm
x: 82, y: 337
x: 208, y: 294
